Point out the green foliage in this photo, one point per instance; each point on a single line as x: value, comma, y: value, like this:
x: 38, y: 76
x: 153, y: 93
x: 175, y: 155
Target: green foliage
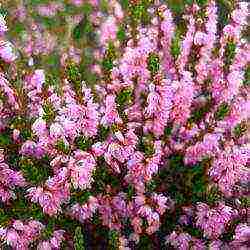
x: 177, y: 6
x: 79, y: 243
x: 73, y: 73
x: 61, y: 146
x: 146, y: 145
x: 245, y: 201
x: 168, y: 130
x: 18, y: 28
x: 151, y: 186
x: 83, y: 29
x: 83, y: 143
x: 229, y: 54
x: 222, y: 111
x: 21, y: 209
x: 224, y: 9
x: 201, y: 2
x: 185, y: 184
x: 175, y: 45
x: 35, y: 171
x: 80, y: 196
x: 124, y: 97
x: 199, y: 113
x: 104, y: 6
x: 130, y: 191
x: 145, y: 243
x: 103, y: 133
x: 240, y: 129
x: 124, y: 4
x: 102, y: 177
x: 109, y: 57
x: 4, y: 140
x: 121, y: 34
x: 153, y: 63
x: 52, y: 63
x: 139, y: 12
x: 3, y: 11
x: 247, y: 76
x: 113, y: 240
x: 49, y: 113
x: 213, y: 195
x: 87, y: 8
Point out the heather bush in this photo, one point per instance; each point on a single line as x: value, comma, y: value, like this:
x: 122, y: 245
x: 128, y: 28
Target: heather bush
x: 124, y: 124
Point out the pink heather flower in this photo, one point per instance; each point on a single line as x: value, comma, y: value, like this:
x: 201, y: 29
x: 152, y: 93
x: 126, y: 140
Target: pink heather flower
x: 239, y: 111
x: 108, y: 30
x: 77, y: 3
x: 44, y: 245
x: 21, y: 234
x: 84, y: 211
x: 28, y: 148
x: 55, y: 192
x: 50, y: 9
x: 207, y: 148
x: 9, y: 179
x: 81, y: 169
x: 118, y: 12
x: 161, y: 202
x: 166, y: 92
x: 39, y: 127
x: 57, y: 239
x: 183, y: 99
x: 200, y: 38
x: 180, y: 241
x: 8, y: 91
x: 153, y: 102
x: 230, y: 168
x: 56, y: 131
x: 241, y: 237
x: 37, y: 80
x: 15, y: 135
x: 186, y: 44
x: 7, y: 51
x: 208, y: 40
x: 3, y: 26
x: 214, y: 220
x: 111, y: 115
x: 112, y: 210
x: 167, y: 27
x: 240, y: 15
x: 234, y: 82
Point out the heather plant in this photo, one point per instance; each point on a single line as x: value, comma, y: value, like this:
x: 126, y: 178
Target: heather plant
x: 124, y: 124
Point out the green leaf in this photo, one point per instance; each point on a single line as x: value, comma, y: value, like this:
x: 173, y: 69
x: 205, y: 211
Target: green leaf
x: 240, y: 129
x: 222, y: 111
x: 49, y: 113
x: 124, y: 97
x: 121, y: 34
x: 113, y: 240
x: 153, y: 63
x: 79, y: 243
x: 175, y: 45
x: 103, y: 133
x: 247, y: 76
x: 229, y: 54
x: 61, y: 146
x: 83, y: 143
x: 83, y: 28
x: 4, y: 140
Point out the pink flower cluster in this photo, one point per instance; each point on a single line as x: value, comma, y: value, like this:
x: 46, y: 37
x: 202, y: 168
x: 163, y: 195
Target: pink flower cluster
x: 134, y: 105
x: 20, y: 236
x: 214, y: 220
x: 9, y: 179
